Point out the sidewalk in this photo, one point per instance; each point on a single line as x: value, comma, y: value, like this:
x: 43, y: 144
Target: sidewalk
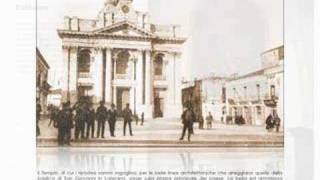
x: 166, y: 133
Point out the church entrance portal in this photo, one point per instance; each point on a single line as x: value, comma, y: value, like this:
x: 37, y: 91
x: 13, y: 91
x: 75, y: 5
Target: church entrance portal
x: 123, y: 98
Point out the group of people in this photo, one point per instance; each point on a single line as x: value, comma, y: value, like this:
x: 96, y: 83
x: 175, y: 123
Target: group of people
x: 273, y: 122
x: 84, y: 119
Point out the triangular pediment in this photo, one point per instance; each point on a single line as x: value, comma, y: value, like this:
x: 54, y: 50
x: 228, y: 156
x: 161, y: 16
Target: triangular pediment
x: 124, y: 28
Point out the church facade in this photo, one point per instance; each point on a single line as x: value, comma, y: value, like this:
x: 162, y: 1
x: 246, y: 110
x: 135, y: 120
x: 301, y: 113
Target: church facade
x: 122, y: 58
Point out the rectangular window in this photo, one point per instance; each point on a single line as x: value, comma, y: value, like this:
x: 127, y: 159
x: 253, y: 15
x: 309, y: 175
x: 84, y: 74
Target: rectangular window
x: 223, y: 95
x: 272, y: 91
x: 245, y: 93
x: 258, y: 91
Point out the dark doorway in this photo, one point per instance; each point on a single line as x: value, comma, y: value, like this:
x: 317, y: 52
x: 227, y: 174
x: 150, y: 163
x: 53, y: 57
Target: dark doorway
x: 123, y: 98
x: 158, y: 103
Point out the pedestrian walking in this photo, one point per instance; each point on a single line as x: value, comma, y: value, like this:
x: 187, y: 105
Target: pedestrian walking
x: 188, y: 117
x: 209, y: 120
x: 112, y: 119
x: 65, y: 124
x: 127, y: 116
x: 101, y: 116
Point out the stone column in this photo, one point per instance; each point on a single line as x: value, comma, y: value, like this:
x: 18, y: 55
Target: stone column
x: 98, y: 75
x: 149, y: 85
x: 178, y: 80
x: 108, y: 78
x: 174, y: 105
x: 73, y: 75
x: 65, y: 74
x: 139, y: 82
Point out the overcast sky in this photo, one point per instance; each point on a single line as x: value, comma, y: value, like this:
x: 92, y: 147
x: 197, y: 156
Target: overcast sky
x: 224, y: 36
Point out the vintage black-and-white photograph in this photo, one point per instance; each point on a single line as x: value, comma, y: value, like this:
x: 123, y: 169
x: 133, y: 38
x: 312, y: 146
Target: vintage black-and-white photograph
x: 160, y: 73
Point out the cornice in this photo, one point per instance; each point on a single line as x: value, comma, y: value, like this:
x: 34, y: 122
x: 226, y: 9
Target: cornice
x: 155, y: 39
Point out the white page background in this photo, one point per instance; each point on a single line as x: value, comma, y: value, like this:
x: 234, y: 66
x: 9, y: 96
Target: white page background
x: 18, y: 90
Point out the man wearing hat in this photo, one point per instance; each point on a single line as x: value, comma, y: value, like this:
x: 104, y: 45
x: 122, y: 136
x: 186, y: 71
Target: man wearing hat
x: 101, y: 116
x: 188, y: 117
x: 65, y: 124
x: 127, y: 116
x: 112, y: 119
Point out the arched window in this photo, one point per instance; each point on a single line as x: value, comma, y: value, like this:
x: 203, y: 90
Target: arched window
x: 158, y: 65
x: 122, y: 62
x: 84, y: 61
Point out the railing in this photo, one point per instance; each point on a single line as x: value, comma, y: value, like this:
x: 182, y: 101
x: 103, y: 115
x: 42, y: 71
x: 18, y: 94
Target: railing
x: 160, y: 78
x: 84, y: 75
x: 122, y: 76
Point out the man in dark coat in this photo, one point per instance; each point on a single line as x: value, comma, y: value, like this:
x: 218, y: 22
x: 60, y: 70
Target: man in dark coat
x: 112, y: 119
x: 101, y: 116
x: 65, y: 124
x: 80, y: 121
x: 90, y: 123
x: 53, y: 116
x: 209, y: 119
x: 269, y: 122
x: 127, y: 116
x: 188, y: 117
x: 201, y: 121
x: 142, y: 118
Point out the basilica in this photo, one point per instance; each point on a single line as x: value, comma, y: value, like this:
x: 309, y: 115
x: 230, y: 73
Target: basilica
x: 122, y: 58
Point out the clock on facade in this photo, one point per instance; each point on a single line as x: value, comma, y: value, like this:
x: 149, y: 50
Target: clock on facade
x: 125, y: 9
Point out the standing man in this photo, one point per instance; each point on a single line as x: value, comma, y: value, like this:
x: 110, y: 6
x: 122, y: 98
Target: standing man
x: 209, y: 120
x: 112, y: 119
x: 81, y: 117
x: 127, y: 116
x: 188, y: 117
x: 201, y: 121
x: 65, y: 125
x: 101, y: 116
x: 90, y: 122
x: 38, y: 114
x: 142, y: 118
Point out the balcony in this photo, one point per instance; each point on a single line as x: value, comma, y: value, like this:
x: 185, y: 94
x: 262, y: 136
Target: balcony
x: 160, y: 78
x: 84, y: 75
x: 85, y: 79
x: 122, y: 77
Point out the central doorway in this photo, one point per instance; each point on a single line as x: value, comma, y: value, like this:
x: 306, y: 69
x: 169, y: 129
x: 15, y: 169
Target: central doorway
x: 123, y: 98
x: 159, y: 95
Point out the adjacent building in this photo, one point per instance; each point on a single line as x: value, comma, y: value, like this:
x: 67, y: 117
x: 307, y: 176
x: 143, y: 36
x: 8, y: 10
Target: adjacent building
x: 121, y: 57
x: 253, y: 95
x: 42, y: 85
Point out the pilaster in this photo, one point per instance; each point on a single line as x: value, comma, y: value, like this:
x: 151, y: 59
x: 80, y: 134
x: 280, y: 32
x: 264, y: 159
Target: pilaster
x: 98, y: 74
x: 108, y: 78
x: 73, y: 74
